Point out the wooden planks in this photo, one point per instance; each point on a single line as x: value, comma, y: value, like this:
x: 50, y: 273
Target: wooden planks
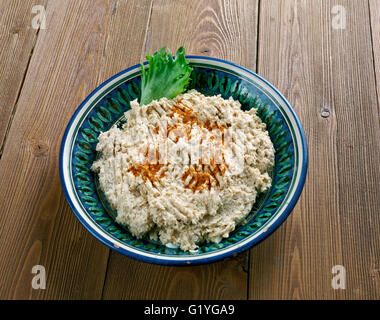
x: 36, y: 225
x: 327, y: 74
x: 374, y: 10
x: 217, y: 28
x: 224, y: 29
x: 17, y: 39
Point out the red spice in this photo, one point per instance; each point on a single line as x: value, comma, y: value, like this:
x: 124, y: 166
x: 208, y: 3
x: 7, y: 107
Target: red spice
x: 162, y: 174
x: 202, y: 175
x: 203, y: 178
x: 188, y: 118
x: 146, y: 171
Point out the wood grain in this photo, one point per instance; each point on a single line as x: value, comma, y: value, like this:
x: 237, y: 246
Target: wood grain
x: 17, y: 39
x: 224, y: 29
x: 328, y: 76
x: 36, y: 224
x: 374, y: 10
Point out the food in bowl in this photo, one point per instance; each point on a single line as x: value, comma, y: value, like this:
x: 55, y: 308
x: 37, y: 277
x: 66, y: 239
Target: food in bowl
x: 185, y: 170
x: 107, y: 104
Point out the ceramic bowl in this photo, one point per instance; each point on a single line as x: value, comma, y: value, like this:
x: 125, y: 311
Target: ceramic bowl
x: 105, y: 106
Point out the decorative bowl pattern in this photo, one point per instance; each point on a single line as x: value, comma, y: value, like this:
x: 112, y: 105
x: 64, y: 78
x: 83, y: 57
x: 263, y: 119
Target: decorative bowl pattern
x: 105, y: 106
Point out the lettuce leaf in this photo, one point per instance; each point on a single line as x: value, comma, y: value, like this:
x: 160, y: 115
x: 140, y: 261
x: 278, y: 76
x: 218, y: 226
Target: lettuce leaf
x: 165, y: 77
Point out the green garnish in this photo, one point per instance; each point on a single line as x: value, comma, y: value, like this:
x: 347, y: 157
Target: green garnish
x: 165, y: 77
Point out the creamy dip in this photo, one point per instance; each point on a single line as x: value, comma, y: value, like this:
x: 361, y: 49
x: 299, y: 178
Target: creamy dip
x: 185, y: 170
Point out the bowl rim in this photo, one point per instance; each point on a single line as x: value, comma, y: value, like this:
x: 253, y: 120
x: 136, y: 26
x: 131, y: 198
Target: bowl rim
x: 162, y: 260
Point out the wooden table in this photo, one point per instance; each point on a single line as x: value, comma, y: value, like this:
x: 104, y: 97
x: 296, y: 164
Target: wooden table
x: 324, y: 56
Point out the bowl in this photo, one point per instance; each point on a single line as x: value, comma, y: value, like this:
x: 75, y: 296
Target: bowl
x: 106, y: 105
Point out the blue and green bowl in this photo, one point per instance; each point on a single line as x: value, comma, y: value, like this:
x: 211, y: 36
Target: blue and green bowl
x: 106, y: 105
